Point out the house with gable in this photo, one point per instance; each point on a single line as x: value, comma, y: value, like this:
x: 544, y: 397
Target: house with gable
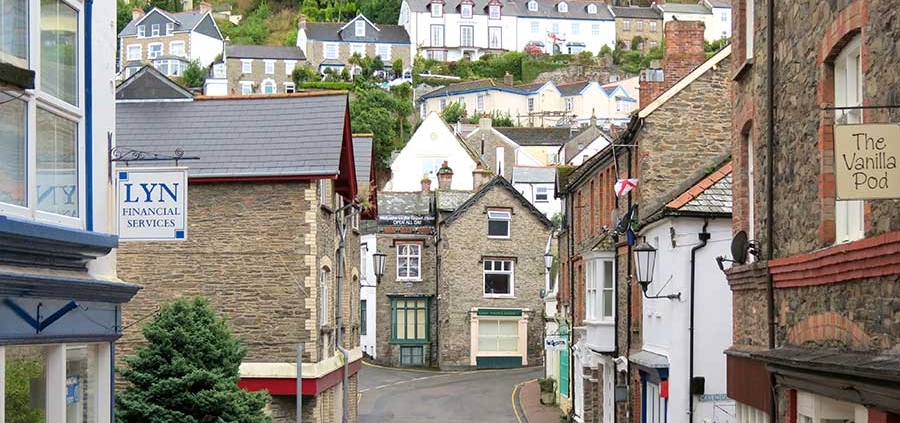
x: 331, y: 45
x: 642, y: 336
x: 274, y: 234
x: 585, y: 144
x: 256, y: 69
x: 638, y: 21
x: 168, y: 41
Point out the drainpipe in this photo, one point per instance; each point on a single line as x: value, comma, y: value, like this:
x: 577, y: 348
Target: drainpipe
x: 89, y: 115
x: 629, y: 298
x: 570, y: 217
x: 338, y: 321
x: 770, y: 180
x: 704, y: 237
x: 437, y: 308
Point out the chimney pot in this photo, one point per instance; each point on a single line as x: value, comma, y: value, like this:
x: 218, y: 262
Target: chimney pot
x: 445, y: 177
x: 426, y: 185
x: 485, y: 123
x: 480, y: 176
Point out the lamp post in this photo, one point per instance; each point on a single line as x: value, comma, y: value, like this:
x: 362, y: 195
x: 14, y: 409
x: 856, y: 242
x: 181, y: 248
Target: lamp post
x: 378, y: 264
x: 645, y: 262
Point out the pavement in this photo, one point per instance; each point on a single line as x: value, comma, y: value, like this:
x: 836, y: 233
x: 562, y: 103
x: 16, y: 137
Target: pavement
x: 529, y: 402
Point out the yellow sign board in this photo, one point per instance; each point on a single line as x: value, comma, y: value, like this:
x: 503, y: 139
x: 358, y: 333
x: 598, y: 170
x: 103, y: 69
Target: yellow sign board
x: 865, y: 161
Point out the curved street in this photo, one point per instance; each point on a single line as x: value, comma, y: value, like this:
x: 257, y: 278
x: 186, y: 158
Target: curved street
x: 400, y: 395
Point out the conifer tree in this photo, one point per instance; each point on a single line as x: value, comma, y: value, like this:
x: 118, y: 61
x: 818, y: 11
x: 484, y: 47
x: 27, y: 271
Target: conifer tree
x: 188, y: 371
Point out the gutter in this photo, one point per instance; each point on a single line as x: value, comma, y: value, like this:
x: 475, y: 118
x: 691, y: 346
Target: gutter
x: 704, y: 237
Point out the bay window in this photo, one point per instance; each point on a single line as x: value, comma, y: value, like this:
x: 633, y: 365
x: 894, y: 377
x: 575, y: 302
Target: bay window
x: 599, y: 284
x: 41, y: 130
x: 498, y: 278
x: 501, y: 335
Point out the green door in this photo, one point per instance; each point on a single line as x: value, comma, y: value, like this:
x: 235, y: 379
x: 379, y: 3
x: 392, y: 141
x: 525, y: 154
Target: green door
x: 564, y: 372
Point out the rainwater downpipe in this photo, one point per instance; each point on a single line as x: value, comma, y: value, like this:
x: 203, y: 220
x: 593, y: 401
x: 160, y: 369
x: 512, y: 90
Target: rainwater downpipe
x: 628, y: 258
x: 89, y: 116
x: 339, y: 319
x: 770, y: 189
x: 704, y: 237
x: 571, y: 328
x: 436, y: 305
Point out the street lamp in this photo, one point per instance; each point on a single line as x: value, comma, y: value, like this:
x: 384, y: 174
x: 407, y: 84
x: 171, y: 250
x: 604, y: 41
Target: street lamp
x: 645, y: 261
x: 548, y: 260
x: 378, y: 264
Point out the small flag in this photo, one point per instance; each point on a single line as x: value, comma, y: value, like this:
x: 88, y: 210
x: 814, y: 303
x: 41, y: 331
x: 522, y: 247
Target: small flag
x: 624, y: 185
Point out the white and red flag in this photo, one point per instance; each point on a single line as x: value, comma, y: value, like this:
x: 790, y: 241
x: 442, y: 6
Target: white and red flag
x: 624, y: 185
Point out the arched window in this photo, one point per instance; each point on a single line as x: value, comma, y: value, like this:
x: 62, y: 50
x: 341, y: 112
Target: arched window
x: 592, y: 9
x: 563, y: 8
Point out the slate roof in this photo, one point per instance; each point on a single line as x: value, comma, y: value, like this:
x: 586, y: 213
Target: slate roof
x: 568, y: 90
x: 362, y: 154
x: 546, y: 9
x: 497, y: 182
x: 330, y: 31
x: 525, y: 136
x: 264, y: 52
x: 533, y: 175
x: 694, y: 8
x: 720, y: 3
x: 184, y: 21
x: 884, y: 367
x: 469, y: 86
x: 247, y: 136
x: 703, y: 192
x: 715, y: 198
x: 636, y: 12
x: 451, y: 200
x: 404, y: 203
x: 149, y: 83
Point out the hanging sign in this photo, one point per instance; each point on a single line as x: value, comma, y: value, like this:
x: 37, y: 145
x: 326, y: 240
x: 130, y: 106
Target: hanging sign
x: 555, y: 343
x: 152, y: 204
x: 865, y: 161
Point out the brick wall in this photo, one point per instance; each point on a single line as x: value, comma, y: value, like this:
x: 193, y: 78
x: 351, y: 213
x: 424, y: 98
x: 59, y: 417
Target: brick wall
x: 684, y: 52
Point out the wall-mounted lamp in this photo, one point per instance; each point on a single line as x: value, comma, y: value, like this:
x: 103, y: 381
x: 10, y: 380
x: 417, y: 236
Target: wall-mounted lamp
x: 548, y: 261
x: 378, y: 264
x: 645, y: 261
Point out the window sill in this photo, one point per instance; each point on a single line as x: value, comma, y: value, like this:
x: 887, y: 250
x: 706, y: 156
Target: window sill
x: 599, y: 323
x: 501, y: 296
x: 409, y: 280
x: 22, y: 78
x: 409, y: 342
x: 748, y: 63
x: 499, y: 237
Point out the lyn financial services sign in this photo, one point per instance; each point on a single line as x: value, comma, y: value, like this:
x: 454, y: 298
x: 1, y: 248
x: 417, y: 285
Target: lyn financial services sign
x: 865, y: 161
x: 152, y: 204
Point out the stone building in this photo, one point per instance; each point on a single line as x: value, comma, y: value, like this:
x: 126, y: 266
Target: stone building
x: 331, y: 45
x: 669, y: 145
x: 816, y: 309
x: 255, y: 70
x: 463, y: 276
x: 638, y: 21
x: 264, y: 243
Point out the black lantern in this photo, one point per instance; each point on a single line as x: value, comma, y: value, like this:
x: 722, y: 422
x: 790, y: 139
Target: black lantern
x: 378, y: 264
x: 644, y: 262
x: 548, y: 261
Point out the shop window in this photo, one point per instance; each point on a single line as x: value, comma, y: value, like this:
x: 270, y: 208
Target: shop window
x: 498, y: 278
x: 812, y: 408
x: 498, y: 223
x: 498, y: 335
x: 848, y: 86
x: 409, y: 261
x: 409, y: 320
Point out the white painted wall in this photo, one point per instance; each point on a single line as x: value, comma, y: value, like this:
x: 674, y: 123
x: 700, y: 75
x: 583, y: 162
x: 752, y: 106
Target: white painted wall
x: 368, y: 292
x: 709, y: 34
x: 592, y: 148
x: 205, y: 48
x: 434, y: 140
x: 550, y: 207
x: 419, y: 24
x: 593, y: 43
x: 666, y: 322
x: 722, y: 22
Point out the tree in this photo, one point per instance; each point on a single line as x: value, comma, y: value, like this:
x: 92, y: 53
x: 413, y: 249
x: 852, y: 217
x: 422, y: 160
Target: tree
x: 381, y: 11
x: 454, y: 112
x: 637, y: 43
x: 188, y: 371
x: 123, y: 14
x: 173, y: 6
x: 194, y: 75
x: 374, y: 110
x: 253, y: 29
x: 305, y: 73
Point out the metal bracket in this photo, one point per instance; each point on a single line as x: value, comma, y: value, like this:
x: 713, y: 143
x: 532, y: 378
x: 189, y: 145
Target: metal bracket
x: 36, y: 322
x: 127, y: 155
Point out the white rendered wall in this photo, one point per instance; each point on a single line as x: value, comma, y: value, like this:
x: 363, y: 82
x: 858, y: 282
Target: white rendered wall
x: 433, y: 140
x: 368, y: 292
x: 205, y: 49
x: 593, y: 43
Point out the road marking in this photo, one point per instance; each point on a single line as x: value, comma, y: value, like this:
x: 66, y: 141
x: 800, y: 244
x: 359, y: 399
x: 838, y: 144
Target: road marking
x: 513, y: 400
x: 388, y: 385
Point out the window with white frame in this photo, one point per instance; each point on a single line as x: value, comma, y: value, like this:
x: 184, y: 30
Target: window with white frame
x: 322, y: 187
x: 498, y: 223
x: 324, y: 311
x: 498, y: 335
x: 409, y: 257
x: 541, y: 194
x: 639, y: 25
x: 747, y: 414
x: 437, y: 10
x: 554, y: 28
x: 848, y: 92
x: 592, y: 8
x: 154, y: 30
x: 652, y: 26
x: 466, y: 36
x: 498, y: 278
x: 383, y: 51
x: 494, y: 12
x: 723, y: 16
x: 532, y: 6
x: 41, y: 136
x: 465, y: 10
x: 479, y: 102
x: 170, y: 28
x: 437, y: 35
x: 599, y: 288
x: 246, y: 65
x: 268, y: 86
x: 748, y: 28
x: 820, y: 409
x: 535, y: 27
x: 562, y: 7
x: 154, y: 50
x: 289, y: 87
x: 269, y: 67
x: 569, y: 104
x: 246, y: 87
x: 331, y: 50
x: 176, y: 48
x: 141, y: 31
x: 595, y: 29
x: 655, y: 405
x: 134, y: 52
x: 359, y: 28
x: 494, y: 37
x: 289, y: 66
x: 626, y: 25
x: 576, y: 28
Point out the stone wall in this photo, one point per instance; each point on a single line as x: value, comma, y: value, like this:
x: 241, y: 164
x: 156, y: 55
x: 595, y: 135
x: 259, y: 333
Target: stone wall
x: 484, y: 142
x: 464, y: 244
x: 234, y: 65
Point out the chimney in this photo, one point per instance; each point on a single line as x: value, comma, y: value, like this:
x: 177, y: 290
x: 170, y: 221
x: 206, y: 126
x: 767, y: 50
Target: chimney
x: 508, y: 79
x: 484, y: 123
x: 445, y: 177
x: 136, y: 13
x: 205, y: 7
x: 480, y: 176
x: 426, y: 185
x: 684, y: 52
x: 301, y: 22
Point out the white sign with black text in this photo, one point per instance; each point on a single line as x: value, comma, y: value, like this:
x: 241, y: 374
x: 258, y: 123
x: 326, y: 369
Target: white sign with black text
x: 152, y: 204
x: 555, y: 343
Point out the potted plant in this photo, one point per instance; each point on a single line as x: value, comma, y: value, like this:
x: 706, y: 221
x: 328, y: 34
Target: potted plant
x: 548, y: 391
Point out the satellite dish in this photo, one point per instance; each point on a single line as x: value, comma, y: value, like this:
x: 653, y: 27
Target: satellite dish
x: 614, y: 216
x: 739, y: 247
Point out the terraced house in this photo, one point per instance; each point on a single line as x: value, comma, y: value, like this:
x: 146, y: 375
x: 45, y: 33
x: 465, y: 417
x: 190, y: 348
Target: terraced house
x: 255, y: 70
x: 331, y: 45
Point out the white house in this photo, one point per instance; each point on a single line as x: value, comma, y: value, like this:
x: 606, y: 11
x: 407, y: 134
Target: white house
x: 687, y: 319
x: 694, y: 12
x: 430, y: 146
x: 721, y: 10
x: 537, y: 184
x: 565, y: 26
x: 367, y: 296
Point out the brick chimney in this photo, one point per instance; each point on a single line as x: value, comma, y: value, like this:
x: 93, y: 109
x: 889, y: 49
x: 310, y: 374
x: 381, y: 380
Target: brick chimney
x: 301, y: 22
x: 426, y: 185
x: 480, y: 176
x: 485, y: 123
x: 445, y: 177
x: 136, y: 13
x: 684, y: 52
x: 205, y: 7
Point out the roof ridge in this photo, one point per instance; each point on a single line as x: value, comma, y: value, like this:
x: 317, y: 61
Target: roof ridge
x: 323, y: 93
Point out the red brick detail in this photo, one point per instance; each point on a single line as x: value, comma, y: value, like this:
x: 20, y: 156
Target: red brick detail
x: 867, y: 258
x: 698, y: 188
x: 684, y: 53
x: 829, y: 326
x: 288, y: 386
x: 846, y: 24
x: 748, y: 276
x: 792, y: 406
x: 878, y: 416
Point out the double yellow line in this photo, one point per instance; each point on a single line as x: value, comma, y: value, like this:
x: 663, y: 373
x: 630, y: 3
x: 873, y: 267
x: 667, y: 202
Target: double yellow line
x: 515, y: 393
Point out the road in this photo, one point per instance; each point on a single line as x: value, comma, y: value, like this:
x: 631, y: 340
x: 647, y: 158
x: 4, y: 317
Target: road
x: 404, y: 396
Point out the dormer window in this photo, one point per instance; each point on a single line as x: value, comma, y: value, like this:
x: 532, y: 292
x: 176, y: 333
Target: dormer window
x: 360, y: 28
x: 494, y: 11
x: 592, y: 9
x: 532, y: 6
x: 437, y: 10
x: 562, y: 8
x: 466, y: 11
x: 141, y: 31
